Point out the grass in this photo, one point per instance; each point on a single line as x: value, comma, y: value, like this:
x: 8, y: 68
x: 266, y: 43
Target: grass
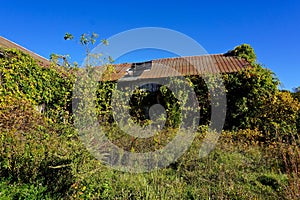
x: 234, y: 170
x: 240, y: 167
x: 13, y: 190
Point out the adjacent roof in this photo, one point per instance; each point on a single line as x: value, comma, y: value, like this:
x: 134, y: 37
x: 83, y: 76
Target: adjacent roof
x: 9, y: 44
x: 181, y: 66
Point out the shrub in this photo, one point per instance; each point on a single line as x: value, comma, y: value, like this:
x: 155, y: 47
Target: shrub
x: 22, y: 147
x: 32, y: 149
x: 280, y: 115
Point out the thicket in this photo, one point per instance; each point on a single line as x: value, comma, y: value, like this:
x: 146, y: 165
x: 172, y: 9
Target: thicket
x: 254, y: 100
x: 41, y: 154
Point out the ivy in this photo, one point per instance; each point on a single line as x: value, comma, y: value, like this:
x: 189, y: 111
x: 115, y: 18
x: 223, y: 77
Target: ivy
x: 23, y: 78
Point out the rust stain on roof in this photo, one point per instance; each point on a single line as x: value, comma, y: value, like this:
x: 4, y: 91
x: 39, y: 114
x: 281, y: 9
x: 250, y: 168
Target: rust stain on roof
x: 180, y: 66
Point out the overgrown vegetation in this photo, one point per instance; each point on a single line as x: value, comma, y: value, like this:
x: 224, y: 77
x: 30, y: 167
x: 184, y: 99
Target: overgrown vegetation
x: 41, y: 156
x: 47, y: 88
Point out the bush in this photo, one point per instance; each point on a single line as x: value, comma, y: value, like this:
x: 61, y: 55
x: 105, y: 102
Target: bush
x: 32, y: 149
x: 20, y: 139
x: 279, y: 116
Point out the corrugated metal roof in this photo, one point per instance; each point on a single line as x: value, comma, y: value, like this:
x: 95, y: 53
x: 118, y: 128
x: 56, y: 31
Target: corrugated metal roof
x: 9, y: 44
x: 180, y: 66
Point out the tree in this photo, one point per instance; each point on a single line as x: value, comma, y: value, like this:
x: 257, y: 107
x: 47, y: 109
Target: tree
x: 247, y: 92
x: 254, y: 100
x: 244, y: 51
x: 296, y: 93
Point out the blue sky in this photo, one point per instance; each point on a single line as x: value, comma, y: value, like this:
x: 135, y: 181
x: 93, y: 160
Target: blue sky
x: 272, y: 28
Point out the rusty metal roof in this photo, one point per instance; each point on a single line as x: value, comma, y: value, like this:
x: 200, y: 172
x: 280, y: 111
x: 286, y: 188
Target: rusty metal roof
x: 9, y: 44
x: 180, y: 66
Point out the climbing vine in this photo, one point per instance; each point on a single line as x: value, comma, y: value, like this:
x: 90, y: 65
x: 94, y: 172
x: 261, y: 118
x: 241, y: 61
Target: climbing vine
x: 22, y: 78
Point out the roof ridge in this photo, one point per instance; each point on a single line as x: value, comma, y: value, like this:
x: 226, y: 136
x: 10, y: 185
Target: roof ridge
x: 189, y: 56
x: 168, y: 58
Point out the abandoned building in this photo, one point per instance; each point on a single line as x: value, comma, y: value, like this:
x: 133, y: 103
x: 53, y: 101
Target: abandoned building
x: 144, y: 74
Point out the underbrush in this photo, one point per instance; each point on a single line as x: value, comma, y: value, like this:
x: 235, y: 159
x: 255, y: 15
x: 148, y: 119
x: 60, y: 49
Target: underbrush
x: 45, y: 160
x: 236, y: 169
x: 13, y: 190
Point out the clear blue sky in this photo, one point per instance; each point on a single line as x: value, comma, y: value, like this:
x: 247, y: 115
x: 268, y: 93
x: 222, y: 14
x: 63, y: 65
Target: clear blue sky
x: 272, y: 28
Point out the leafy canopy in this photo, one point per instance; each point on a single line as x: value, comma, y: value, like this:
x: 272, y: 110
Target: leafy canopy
x: 244, y: 51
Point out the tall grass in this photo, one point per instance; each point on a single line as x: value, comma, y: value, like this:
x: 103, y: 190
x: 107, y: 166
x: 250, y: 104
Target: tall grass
x: 242, y: 166
x: 290, y: 153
